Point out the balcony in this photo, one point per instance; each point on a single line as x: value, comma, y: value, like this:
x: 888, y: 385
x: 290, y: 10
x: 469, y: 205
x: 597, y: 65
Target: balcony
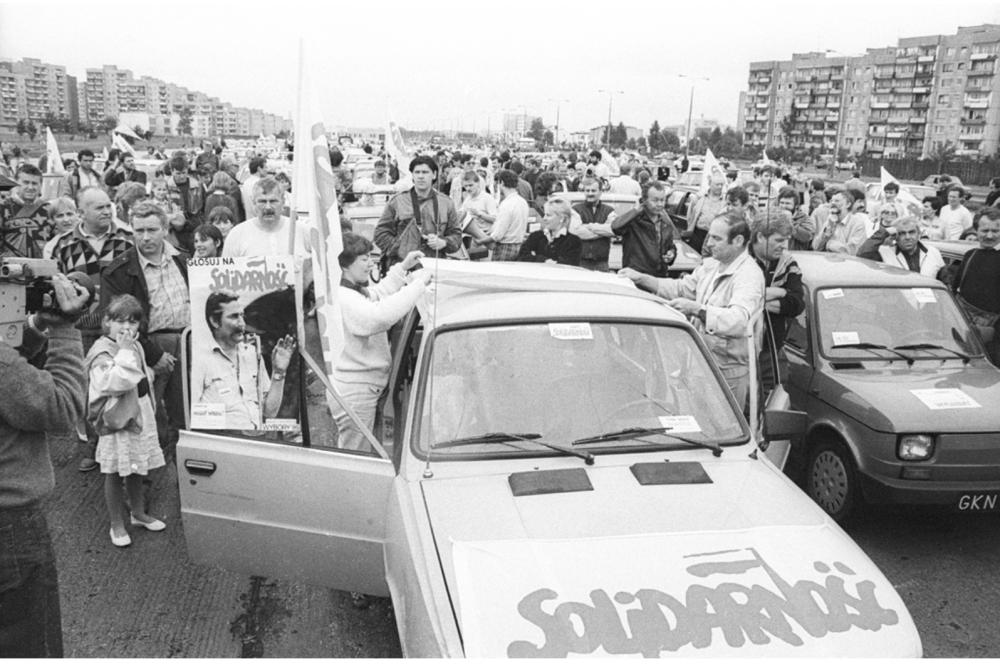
x: 895, y: 135
x: 899, y: 120
x: 976, y: 104
x: 761, y: 106
x: 880, y: 106
x: 884, y: 75
x: 920, y: 105
x: 816, y: 133
x: 832, y: 117
x: 925, y: 58
x: 918, y: 120
x: 980, y: 72
x: 905, y: 75
x: 801, y: 105
x: 979, y: 121
x: 902, y: 105
x: 982, y: 56
x: 833, y: 105
x: 906, y: 59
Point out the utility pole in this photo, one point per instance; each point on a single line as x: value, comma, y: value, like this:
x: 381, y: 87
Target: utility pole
x: 557, y: 102
x: 687, y: 142
x: 610, y: 94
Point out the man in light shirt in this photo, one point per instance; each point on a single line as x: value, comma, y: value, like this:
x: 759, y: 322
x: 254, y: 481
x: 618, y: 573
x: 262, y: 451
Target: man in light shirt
x: 955, y: 217
x: 625, y: 184
x: 508, y: 230
x: 258, y: 170
x: 266, y: 233
x: 844, y: 231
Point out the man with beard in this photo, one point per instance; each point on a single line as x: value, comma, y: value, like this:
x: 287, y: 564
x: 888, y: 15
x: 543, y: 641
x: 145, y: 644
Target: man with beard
x: 266, y: 234
x: 227, y: 372
x: 595, y: 232
x: 125, y: 172
x: 24, y: 217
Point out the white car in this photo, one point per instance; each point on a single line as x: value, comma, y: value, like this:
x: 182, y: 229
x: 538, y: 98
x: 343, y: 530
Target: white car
x: 560, y: 469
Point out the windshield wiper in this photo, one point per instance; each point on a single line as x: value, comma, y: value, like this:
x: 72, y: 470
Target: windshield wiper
x: 503, y: 437
x: 872, y: 347
x: 930, y: 346
x: 630, y: 433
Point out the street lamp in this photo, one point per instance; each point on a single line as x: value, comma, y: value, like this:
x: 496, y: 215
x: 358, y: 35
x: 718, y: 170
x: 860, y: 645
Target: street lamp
x: 840, y: 115
x: 687, y: 142
x: 557, y: 101
x: 611, y: 93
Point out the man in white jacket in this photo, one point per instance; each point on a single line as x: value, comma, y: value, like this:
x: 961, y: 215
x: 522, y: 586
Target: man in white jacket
x: 720, y: 298
x: 899, y: 245
x: 369, y: 311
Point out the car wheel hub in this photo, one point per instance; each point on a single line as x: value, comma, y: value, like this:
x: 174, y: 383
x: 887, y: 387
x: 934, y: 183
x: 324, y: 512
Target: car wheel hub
x: 829, y: 481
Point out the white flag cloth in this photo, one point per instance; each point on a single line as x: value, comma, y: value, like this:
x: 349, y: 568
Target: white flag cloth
x: 395, y: 147
x: 905, y: 196
x: 712, y: 168
x: 767, y: 161
x: 315, y: 197
x: 610, y: 163
x: 120, y: 142
x: 54, y: 164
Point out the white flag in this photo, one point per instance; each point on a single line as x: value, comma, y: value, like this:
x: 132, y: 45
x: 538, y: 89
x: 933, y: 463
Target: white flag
x: 712, y: 168
x: 610, y: 163
x: 767, y: 161
x: 54, y: 164
x: 395, y: 148
x: 905, y: 196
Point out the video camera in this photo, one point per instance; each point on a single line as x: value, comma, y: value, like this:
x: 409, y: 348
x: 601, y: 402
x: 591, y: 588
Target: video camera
x: 26, y: 288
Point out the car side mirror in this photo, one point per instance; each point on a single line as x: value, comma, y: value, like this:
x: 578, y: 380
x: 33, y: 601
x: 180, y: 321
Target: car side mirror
x: 985, y: 333
x: 784, y: 424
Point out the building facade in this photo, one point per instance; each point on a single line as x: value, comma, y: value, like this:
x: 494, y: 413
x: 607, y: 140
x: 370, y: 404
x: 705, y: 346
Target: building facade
x: 909, y: 100
x: 31, y: 89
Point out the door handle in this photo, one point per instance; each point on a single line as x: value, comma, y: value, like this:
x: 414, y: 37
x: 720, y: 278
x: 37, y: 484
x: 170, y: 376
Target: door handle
x: 200, y: 467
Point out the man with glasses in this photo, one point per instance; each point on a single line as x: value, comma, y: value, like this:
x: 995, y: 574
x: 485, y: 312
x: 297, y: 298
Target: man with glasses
x: 82, y: 177
x: 266, y: 234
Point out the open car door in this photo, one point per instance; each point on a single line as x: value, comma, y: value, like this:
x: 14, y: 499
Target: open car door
x: 294, y: 507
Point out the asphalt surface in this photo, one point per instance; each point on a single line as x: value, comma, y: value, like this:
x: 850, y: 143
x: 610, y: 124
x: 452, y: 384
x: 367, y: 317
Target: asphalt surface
x: 149, y: 600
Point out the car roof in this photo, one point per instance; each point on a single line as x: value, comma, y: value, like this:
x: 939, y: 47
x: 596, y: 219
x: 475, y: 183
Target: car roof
x: 824, y: 269
x: 574, y: 197
x: 482, y: 292
x: 952, y: 247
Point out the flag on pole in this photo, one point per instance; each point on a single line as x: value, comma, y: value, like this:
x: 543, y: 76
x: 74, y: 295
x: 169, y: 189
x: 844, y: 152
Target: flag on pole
x: 610, y: 163
x: 712, y: 168
x: 121, y: 143
x: 905, y: 196
x: 315, y: 198
x: 54, y: 164
x: 767, y: 161
x: 104, y: 154
x: 395, y: 148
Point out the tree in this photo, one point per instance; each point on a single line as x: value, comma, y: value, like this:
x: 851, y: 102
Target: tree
x: 32, y: 130
x: 619, y: 136
x: 107, y: 124
x: 669, y: 141
x: 655, y: 141
x: 148, y: 135
x: 729, y: 144
x: 184, y: 125
x: 786, y: 126
x: 549, y: 138
x: 50, y: 121
x: 537, y: 130
x: 631, y: 144
x: 641, y: 142
x: 22, y: 127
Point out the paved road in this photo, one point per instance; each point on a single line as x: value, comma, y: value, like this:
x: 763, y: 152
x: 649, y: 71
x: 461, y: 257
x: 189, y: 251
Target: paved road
x: 148, y: 600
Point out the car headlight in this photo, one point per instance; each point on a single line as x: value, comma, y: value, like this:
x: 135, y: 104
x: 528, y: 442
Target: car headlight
x: 915, y: 447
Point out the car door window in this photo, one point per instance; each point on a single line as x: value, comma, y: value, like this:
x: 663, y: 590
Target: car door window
x: 797, y: 337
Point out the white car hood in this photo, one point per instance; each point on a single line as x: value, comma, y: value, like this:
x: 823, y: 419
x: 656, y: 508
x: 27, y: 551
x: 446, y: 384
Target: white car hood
x: 743, y: 565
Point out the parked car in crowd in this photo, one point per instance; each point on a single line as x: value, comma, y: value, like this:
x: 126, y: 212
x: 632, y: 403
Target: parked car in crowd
x: 934, y: 180
x: 562, y: 470
x: 903, y: 405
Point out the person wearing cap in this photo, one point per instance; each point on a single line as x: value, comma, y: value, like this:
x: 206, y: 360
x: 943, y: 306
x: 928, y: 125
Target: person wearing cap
x: 897, y: 243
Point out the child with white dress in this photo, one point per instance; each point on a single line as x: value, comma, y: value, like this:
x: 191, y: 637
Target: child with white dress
x: 121, y: 408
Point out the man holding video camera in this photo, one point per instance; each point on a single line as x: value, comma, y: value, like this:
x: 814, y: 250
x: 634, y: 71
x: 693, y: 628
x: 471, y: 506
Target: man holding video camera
x: 34, y: 402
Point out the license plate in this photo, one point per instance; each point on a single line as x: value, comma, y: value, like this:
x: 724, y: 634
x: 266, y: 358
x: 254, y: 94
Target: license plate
x: 978, y: 502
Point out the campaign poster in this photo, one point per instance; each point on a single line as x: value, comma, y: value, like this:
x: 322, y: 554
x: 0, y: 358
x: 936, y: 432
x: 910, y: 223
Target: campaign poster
x: 244, y: 361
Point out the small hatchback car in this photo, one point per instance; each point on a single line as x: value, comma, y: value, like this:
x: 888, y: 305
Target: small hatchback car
x: 560, y: 470
x: 903, y: 405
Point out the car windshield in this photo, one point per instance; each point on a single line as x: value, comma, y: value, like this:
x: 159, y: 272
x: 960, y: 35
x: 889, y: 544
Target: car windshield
x: 566, y: 381
x: 894, y: 318
x: 690, y: 179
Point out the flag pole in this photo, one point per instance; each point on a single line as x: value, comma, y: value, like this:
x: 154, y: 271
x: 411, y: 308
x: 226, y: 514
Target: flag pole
x: 293, y: 211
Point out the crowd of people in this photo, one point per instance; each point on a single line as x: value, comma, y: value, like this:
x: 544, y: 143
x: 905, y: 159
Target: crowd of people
x: 132, y: 235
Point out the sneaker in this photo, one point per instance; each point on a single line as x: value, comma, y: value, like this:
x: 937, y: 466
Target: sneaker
x: 88, y: 464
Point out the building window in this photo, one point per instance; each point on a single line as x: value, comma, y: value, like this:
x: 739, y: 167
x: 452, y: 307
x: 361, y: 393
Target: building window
x: 951, y: 52
x: 946, y: 83
x: 948, y: 68
x: 961, y: 65
x: 943, y: 99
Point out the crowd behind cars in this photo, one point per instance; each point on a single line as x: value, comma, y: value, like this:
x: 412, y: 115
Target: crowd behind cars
x: 664, y: 223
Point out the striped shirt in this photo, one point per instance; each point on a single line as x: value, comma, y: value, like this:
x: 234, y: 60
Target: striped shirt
x: 169, y: 302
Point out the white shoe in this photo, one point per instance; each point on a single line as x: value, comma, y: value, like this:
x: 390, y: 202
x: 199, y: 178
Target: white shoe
x: 120, y: 540
x: 155, y: 525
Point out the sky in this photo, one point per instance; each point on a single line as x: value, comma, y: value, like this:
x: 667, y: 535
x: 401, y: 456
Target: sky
x: 459, y: 65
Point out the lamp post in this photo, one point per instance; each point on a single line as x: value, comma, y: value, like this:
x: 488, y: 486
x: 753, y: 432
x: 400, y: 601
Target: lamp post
x: 557, y: 101
x: 840, y: 116
x: 611, y: 93
x: 687, y: 141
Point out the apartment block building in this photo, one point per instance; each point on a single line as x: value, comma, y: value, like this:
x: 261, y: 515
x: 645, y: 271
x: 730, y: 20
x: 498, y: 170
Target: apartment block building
x: 907, y: 100
x: 30, y: 89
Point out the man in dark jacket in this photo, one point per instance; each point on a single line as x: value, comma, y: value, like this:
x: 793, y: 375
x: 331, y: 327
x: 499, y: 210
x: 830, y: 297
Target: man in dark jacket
x: 126, y: 171
x: 647, y: 234
x: 595, y: 232
x: 155, y: 273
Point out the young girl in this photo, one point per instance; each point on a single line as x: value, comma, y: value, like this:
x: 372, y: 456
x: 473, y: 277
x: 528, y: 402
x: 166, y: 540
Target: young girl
x: 121, y: 409
x: 207, y: 241
x: 221, y: 217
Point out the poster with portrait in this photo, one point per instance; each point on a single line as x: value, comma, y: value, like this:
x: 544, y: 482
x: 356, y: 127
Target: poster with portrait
x: 244, y: 364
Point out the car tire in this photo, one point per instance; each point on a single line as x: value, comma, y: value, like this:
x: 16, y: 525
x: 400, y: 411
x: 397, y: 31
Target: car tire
x: 831, y: 480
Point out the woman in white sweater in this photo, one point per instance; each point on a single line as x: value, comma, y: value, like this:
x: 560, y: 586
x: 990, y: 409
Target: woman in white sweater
x: 369, y: 311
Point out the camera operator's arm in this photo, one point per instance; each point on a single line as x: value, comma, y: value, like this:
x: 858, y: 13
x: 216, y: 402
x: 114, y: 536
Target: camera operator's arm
x: 53, y: 398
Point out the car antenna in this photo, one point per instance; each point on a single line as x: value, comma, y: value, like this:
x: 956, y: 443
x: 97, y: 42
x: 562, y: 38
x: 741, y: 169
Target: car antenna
x: 430, y: 392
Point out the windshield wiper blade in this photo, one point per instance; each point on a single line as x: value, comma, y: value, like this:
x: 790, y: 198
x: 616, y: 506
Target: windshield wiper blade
x: 931, y: 346
x: 873, y: 347
x: 503, y: 437
x: 629, y: 433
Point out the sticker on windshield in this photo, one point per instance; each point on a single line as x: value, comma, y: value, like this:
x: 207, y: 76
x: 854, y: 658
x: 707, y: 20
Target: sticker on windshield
x: 945, y: 399
x: 832, y: 293
x: 571, y: 331
x: 680, y: 423
x: 210, y: 416
x: 846, y: 339
x: 925, y: 295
